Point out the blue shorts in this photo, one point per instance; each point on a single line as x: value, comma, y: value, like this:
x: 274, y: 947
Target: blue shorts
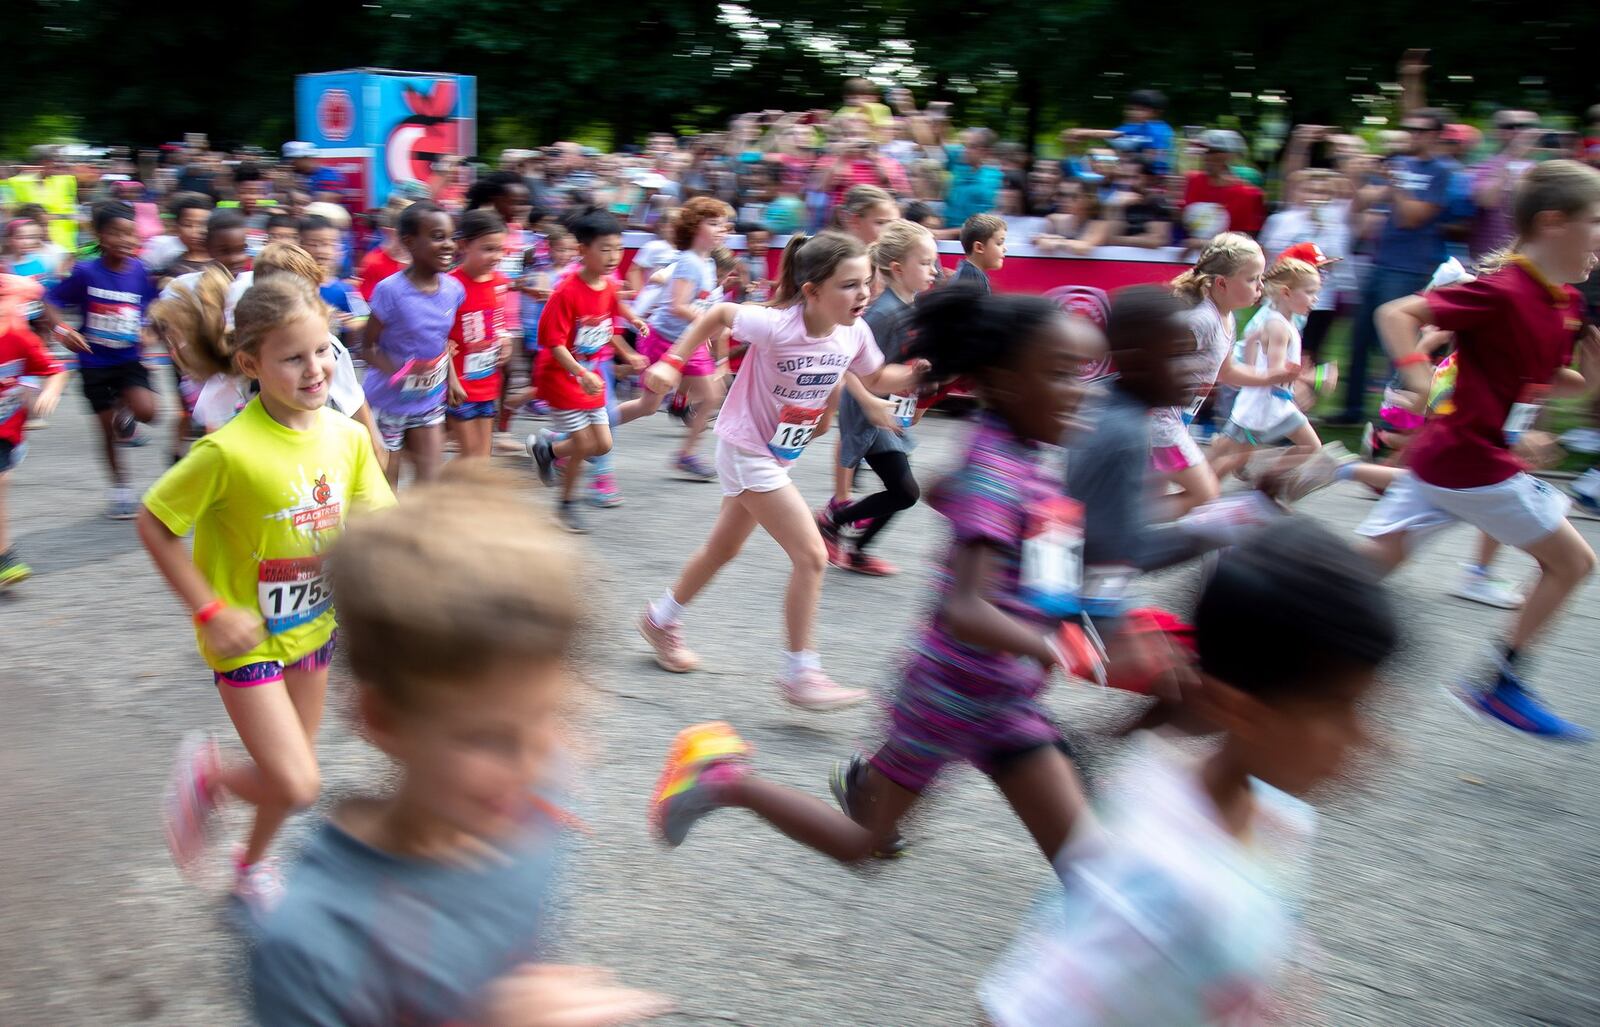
x: 268, y: 671
x: 471, y: 411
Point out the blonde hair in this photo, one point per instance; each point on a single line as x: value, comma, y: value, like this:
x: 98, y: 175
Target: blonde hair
x: 895, y: 243
x: 287, y: 258
x: 195, y: 322
x: 1223, y: 256
x: 812, y: 261
x: 1290, y: 273
x: 1564, y: 186
x: 501, y: 586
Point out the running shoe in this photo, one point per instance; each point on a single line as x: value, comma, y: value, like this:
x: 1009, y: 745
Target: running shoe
x: 571, y: 517
x: 603, y: 492
x: 1476, y: 586
x: 1582, y: 440
x: 680, y: 409
x: 189, y: 804
x: 1586, y: 490
x: 1511, y: 703
x: 691, y: 466
x: 844, y: 782
x: 1375, y: 445
x: 702, y: 758
x: 543, y: 457
x: 667, y: 642
x: 259, y: 886
x: 859, y: 562
x: 12, y: 570
x: 830, y: 536
x: 815, y: 691
x: 1316, y: 472
x: 120, y: 504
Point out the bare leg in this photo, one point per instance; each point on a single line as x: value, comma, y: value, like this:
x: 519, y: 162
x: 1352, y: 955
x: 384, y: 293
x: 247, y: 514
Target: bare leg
x: 278, y: 725
x: 426, y: 446
x: 5, y: 523
x: 733, y: 526
x: 1044, y: 791
x: 785, y: 516
x: 1487, y: 550
x: 814, y: 823
x: 1565, y: 559
x: 1197, y: 485
x: 108, y: 437
x: 705, y: 396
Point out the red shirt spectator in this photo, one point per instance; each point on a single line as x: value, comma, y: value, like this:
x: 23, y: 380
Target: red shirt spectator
x: 1245, y: 204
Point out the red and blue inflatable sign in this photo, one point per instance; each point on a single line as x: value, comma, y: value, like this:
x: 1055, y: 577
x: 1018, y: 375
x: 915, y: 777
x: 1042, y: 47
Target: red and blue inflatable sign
x: 378, y: 127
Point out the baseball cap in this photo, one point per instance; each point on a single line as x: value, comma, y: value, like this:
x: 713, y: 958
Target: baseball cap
x: 1223, y: 139
x: 297, y: 150
x: 1309, y: 252
x: 1459, y: 134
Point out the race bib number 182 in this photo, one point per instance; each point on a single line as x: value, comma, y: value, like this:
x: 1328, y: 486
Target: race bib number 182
x: 292, y: 592
x: 796, y: 425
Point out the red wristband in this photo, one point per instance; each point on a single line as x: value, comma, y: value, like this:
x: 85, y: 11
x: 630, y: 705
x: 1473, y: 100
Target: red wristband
x: 1413, y: 358
x: 208, y: 611
x: 673, y: 361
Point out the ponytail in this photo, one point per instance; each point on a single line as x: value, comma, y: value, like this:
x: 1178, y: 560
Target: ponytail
x: 1223, y: 256
x: 194, y: 324
x: 811, y: 261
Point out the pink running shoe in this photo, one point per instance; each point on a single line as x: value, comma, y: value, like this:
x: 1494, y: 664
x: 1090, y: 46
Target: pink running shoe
x: 189, y: 806
x: 815, y: 691
x: 258, y: 886
x: 603, y: 491
x: 671, y: 654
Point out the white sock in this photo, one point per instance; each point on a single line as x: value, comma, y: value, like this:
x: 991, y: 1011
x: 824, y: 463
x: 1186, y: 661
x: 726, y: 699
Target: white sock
x: 805, y: 659
x: 666, y: 611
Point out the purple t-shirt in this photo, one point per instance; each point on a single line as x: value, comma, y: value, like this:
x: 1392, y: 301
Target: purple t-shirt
x: 416, y: 329
x: 113, y: 305
x: 989, y: 501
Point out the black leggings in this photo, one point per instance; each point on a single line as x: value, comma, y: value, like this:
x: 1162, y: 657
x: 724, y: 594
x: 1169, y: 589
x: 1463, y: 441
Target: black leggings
x: 1318, y: 322
x: 900, y: 492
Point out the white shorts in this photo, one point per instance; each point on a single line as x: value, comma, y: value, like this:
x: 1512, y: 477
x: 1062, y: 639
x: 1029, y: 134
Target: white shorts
x: 739, y: 471
x: 1291, y: 423
x: 570, y: 421
x: 393, y: 427
x: 1519, y: 511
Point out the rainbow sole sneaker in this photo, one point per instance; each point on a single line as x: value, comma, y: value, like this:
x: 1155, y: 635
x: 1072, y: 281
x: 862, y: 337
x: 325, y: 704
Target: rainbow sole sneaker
x: 702, y: 757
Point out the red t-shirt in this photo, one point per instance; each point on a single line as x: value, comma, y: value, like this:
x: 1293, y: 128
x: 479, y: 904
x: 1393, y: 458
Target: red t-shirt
x: 21, y: 353
x: 375, y: 267
x: 1245, y: 204
x: 580, y: 318
x: 478, y: 334
x: 1513, y: 331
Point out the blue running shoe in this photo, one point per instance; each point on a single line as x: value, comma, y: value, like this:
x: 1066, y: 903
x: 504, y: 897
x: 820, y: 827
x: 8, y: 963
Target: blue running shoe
x: 1509, y: 702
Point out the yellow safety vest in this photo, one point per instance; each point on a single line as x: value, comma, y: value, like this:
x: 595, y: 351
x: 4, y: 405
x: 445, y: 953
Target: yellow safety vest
x: 57, y: 194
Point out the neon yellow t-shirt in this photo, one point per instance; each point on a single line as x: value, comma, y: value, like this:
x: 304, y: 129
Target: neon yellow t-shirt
x: 265, y: 502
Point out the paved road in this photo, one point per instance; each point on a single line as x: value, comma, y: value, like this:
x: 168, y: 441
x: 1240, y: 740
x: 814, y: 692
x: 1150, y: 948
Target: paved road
x: 1457, y: 887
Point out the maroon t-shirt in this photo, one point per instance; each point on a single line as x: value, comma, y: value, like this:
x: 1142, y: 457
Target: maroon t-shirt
x: 1514, y: 331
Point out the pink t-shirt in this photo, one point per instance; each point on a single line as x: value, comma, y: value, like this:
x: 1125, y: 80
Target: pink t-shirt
x: 786, y: 379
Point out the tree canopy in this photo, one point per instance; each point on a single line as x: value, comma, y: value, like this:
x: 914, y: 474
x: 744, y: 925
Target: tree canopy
x: 116, y: 71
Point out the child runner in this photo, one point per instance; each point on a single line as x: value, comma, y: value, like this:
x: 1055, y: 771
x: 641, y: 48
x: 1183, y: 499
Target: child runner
x: 983, y: 240
x: 321, y: 238
x: 578, y: 328
x: 691, y: 289
x: 407, y: 344
x: 390, y: 256
x: 478, y: 347
x: 1180, y: 907
x: 22, y: 356
x: 111, y: 293
x: 904, y: 257
x: 971, y: 686
x: 800, y: 347
x: 1515, y: 328
x: 190, y: 213
x: 1226, y: 278
x: 461, y: 685
x: 265, y: 496
x: 863, y: 213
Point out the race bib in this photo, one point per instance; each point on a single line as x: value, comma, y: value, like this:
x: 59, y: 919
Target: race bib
x: 1051, y: 575
x: 113, y: 325
x: 292, y: 592
x: 1525, y: 412
x: 591, y: 339
x: 905, y: 409
x: 1193, y: 409
x: 796, y: 426
x: 423, y: 382
x: 480, y: 364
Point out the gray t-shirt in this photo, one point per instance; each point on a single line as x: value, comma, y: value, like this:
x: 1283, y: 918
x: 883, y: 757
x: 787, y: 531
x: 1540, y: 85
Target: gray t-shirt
x: 887, y: 317
x: 365, y: 937
x: 701, y: 271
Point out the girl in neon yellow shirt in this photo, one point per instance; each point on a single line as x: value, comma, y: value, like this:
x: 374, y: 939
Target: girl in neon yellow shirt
x: 265, y: 496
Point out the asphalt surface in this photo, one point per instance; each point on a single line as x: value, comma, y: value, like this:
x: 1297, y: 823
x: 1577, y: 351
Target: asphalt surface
x: 1456, y: 886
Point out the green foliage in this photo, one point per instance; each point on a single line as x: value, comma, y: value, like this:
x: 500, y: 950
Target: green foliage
x: 144, y: 74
